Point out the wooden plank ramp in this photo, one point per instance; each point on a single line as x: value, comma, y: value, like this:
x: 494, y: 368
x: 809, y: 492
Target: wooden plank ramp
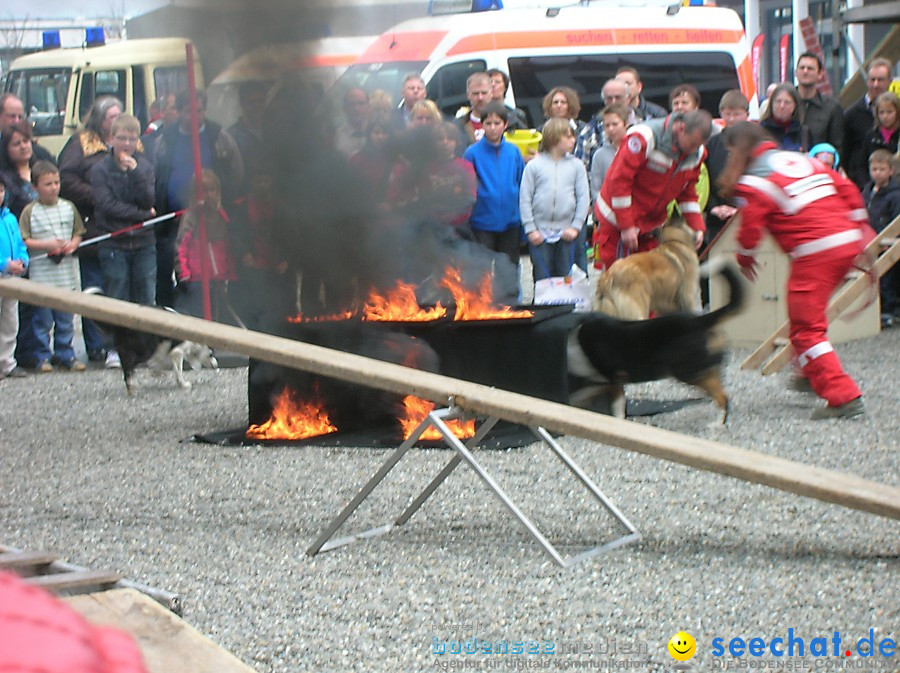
x: 46, y: 570
x: 843, y: 489
x: 775, y: 352
x: 167, y: 642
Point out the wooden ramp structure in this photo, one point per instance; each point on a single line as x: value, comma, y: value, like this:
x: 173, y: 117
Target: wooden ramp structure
x: 166, y: 641
x: 775, y: 353
x: 843, y: 489
x: 150, y: 615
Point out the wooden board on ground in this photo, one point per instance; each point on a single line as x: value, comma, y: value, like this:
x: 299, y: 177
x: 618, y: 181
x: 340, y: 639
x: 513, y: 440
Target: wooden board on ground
x: 844, y: 489
x: 167, y: 642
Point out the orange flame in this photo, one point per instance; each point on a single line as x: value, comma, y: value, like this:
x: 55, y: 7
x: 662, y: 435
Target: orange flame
x: 292, y: 419
x: 477, y: 304
x: 399, y: 304
x: 417, y: 409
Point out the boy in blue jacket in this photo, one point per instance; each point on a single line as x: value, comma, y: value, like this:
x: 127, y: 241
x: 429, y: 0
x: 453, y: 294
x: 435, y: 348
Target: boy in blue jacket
x: 13, y: 262
x: 495, y: 219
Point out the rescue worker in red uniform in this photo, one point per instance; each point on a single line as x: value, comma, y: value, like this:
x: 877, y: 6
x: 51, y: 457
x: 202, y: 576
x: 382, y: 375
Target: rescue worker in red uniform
x: 657, y: 162
x: 817, y: 217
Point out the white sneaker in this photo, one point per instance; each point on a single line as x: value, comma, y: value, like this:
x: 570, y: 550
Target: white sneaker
x: 112, y: 360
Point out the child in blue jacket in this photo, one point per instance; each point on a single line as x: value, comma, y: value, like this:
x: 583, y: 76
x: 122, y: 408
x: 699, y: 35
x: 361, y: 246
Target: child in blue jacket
x: 13, y: 262
x: 498, y: 164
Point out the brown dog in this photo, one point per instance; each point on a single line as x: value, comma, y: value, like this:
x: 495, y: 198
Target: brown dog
x: 660, y: 281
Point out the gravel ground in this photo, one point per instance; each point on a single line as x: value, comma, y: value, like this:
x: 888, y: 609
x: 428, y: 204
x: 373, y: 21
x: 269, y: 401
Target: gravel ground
x: 108, y: 482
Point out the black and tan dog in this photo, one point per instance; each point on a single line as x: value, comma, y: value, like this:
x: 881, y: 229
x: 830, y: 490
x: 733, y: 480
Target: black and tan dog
x: 659, y: 281
x: 605, y: 353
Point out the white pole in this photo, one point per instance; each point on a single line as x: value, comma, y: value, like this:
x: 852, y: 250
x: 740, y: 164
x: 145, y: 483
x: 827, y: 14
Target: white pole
x: 799, y: 11
x: 751, y: 19
x: 856, y: 36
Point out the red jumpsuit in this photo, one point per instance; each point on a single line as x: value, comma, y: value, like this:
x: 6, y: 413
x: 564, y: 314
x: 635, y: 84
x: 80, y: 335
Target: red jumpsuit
x: 817, y: 217
x: 647, y: 173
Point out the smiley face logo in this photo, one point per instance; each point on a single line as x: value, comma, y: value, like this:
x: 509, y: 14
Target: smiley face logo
x: 682, y: 646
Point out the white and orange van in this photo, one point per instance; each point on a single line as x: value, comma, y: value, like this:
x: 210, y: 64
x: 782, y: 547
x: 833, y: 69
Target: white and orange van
x: 580, y: 46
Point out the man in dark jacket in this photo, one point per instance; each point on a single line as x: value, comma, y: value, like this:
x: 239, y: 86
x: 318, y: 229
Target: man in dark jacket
x: 643, y: 108
x: 174, y: 163
x: 859, y: 119
x: 822, y: 115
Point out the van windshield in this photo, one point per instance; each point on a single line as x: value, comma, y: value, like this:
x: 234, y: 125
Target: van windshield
x: 44, y: 94
x: 713, y: 73
x: 371, y: 77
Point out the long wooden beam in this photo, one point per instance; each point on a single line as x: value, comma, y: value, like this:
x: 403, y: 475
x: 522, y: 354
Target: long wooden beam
x: 843, y: 489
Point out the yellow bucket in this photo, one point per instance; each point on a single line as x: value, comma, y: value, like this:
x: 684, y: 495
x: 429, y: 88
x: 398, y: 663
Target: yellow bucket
x: 528, y: 140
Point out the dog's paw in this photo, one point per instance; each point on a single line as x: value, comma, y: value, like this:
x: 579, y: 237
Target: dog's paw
x: 185, y: 385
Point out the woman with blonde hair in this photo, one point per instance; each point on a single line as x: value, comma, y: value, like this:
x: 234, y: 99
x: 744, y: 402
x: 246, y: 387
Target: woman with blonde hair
x: 425, y: 112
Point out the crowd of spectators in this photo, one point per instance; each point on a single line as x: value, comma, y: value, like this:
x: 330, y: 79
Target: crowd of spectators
x: 580, y: 193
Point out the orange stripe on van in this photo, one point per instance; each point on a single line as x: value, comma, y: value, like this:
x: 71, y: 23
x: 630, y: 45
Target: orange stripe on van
x: 389, y: 47
x: 745, y: 77
x: 320, y: 60
x: 599, y: 37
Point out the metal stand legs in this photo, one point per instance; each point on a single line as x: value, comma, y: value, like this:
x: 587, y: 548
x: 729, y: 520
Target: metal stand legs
x: 463, y: 452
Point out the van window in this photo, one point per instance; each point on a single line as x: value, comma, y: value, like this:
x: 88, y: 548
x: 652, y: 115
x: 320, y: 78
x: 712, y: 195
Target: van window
x: 139, y: 90
x: 171, y: 79
x: 713, y: 73
x: 100, y: 83
x: 447, y: 86
x: 43, y: 93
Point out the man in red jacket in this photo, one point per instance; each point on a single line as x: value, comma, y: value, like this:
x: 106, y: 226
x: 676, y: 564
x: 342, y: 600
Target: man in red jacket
x: 657, y: 162
x: 817, y: 217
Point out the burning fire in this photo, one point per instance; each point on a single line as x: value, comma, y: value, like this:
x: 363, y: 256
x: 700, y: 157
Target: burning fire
x: 293, y: 419
x: 417, y: 409
x: 399, y: 304
x: 478, y: 304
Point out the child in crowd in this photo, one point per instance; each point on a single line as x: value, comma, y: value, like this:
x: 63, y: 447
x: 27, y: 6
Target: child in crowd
x: 436, y: 183
x: 52, y: 225
x: 13, y: 262
x: 374, y: 162
x: 267, y: 289
x: 123, y: 184
x: 882, y: 197
x: 554, y: 200
x: 615, y: 124
x: 190, y: 255
x: 886, y: 133
x: 827, y: 154
x: 498, y: 166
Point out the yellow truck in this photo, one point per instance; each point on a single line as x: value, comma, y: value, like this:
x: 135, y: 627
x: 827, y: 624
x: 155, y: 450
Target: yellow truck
x: 58, y: 86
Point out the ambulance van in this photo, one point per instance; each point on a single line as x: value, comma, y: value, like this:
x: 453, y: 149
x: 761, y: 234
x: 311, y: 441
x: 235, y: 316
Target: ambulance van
x: 58, y: 86
x: 580, y: 46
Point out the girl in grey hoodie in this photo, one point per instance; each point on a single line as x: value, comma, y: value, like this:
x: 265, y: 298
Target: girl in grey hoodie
x: 554, y: 200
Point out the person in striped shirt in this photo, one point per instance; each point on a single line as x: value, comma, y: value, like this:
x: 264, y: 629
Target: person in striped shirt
x: 52, y: 225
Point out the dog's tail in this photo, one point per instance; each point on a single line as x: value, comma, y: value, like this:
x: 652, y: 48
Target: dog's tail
x: 721, y: 265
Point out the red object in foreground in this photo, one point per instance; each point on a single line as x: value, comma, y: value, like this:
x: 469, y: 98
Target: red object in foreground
x: 41, y: 633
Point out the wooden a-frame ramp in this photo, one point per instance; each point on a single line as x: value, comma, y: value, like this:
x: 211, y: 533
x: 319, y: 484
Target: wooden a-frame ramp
x: 775, y: 353
x: 843, y: 489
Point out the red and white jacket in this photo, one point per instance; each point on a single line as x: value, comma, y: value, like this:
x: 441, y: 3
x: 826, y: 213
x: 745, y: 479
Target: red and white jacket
x: 647, y: 173
x: 806, y: 206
